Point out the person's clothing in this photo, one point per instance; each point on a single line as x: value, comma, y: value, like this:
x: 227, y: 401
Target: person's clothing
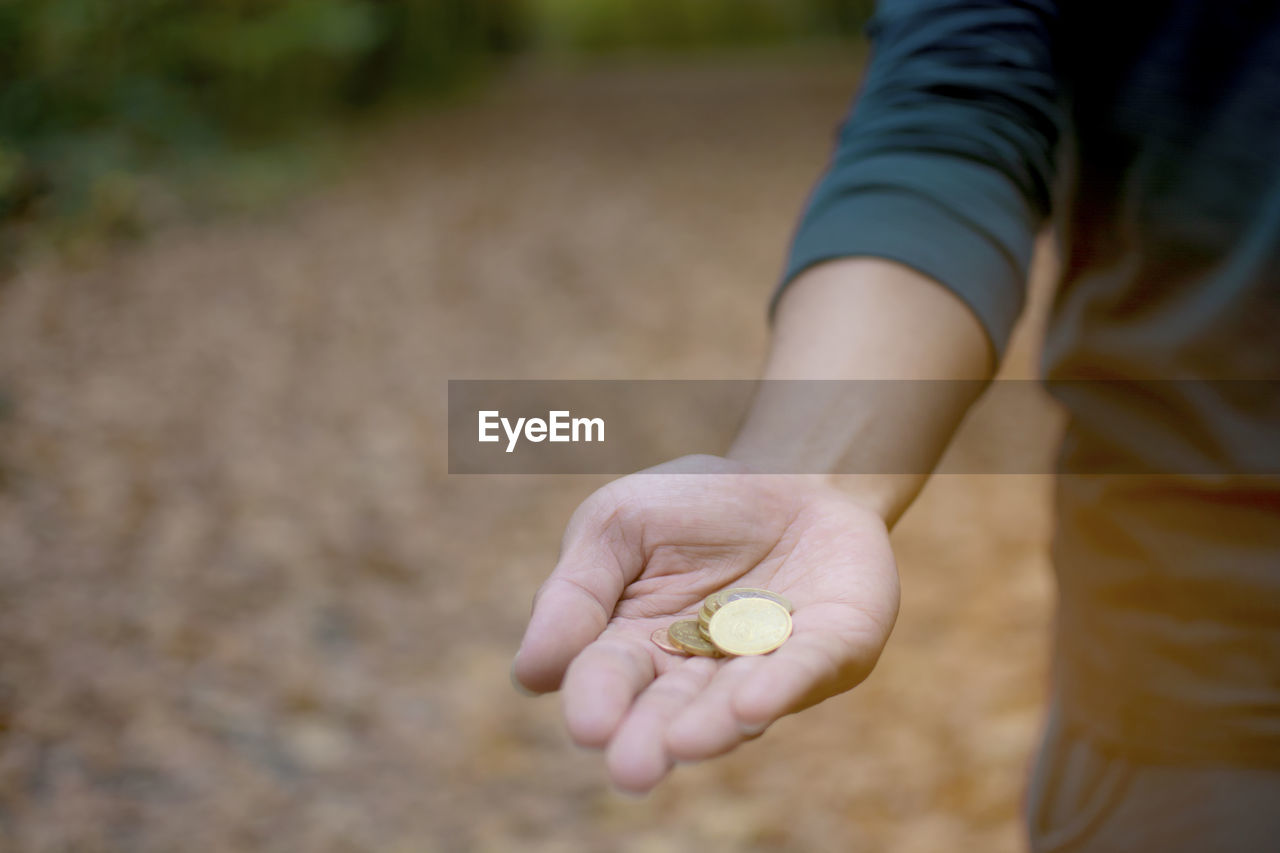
x: 1152, y: 131
x: 1084, y: 795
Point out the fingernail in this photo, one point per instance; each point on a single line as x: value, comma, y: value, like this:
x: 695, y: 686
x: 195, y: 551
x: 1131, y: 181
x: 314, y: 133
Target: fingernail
x: 515, y: 682
x: 752, y: 729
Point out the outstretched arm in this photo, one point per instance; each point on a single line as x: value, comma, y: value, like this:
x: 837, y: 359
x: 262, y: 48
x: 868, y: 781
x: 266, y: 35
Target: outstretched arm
x: 878, y: 323
x: 648, y: 548
x: 909, y: 264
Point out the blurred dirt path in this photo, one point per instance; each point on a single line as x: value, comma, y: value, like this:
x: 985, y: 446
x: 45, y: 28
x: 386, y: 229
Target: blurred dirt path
x: 243, y: 608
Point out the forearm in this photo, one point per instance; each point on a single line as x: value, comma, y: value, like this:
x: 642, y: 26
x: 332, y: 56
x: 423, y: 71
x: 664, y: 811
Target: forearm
x: 866, y: 319
x: 945, y: 164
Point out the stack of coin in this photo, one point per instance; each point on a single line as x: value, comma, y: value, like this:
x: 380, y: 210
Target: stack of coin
x: 739, y: 621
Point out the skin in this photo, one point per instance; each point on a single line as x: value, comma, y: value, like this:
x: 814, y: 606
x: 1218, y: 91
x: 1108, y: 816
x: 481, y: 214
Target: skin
x: 647, y: 548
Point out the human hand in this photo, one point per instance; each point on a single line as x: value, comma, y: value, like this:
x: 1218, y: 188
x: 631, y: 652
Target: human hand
x: 644, y: 551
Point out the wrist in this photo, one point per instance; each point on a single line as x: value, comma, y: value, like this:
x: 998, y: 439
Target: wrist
x: 884, y: 495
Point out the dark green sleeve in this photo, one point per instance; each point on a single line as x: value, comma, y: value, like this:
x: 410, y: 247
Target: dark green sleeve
x: 946, y: 162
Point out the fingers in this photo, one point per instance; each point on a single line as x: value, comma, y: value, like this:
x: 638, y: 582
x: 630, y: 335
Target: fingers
x: 637, y: 757
x: 600, y: 686
x: 810, y: 667
x: 749, y: 694
x: 709, y: 725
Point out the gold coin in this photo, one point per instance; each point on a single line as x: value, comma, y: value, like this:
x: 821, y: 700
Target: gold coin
x: 712, y: 602
x: 727, y: 595
x: 660, y: 640
x: 717, y: 600
x: 750, y: 626
x: 686, y: 636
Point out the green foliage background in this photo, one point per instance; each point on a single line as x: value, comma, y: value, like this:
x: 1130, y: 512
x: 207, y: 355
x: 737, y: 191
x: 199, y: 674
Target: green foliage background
x: 95, y: 93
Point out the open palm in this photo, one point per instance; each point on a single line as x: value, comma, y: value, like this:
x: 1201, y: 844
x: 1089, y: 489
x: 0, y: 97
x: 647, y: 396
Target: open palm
x: 646, y: 550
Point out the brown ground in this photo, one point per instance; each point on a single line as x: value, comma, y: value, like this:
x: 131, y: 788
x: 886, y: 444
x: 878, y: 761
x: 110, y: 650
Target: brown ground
x: 242, y: 607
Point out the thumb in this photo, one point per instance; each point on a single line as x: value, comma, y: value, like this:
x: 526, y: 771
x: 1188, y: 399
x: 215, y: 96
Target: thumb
x: 573, y: 606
